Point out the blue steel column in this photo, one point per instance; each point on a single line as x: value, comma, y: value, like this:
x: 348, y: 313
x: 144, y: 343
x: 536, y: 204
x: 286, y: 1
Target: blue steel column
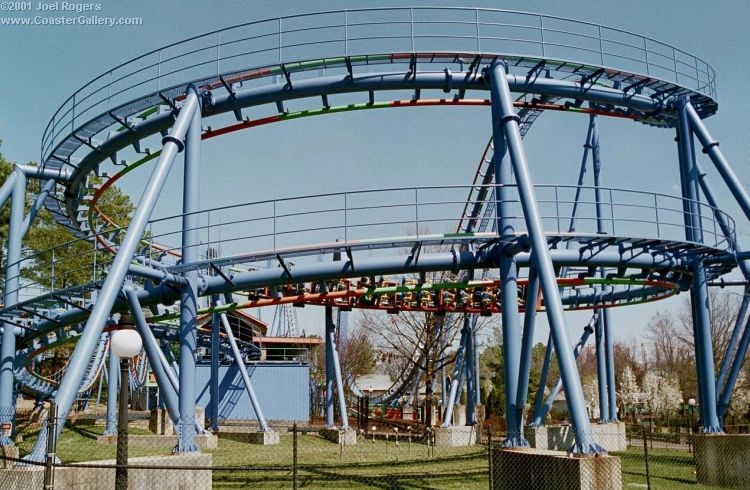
x: 699, y: 296
x: 471, y: 381
x: 508, y: 273
x: 711, y: 148
x: 86, y: 345
x: 330, y: 331
x: 599, y: 333
x: 214, y: 381
x: 726, y: 395
x: 538, y: 418
x: 332, y: 360
x: 113, y: 375
x: 458, y: 368
x: 703, y: 337
x: 609, y: 349
x: 504, y: 114
x: 10, y: 297
x: 189, y: 297
x: 527, y: 343
x: 243, y: 372
x: 166, y: 390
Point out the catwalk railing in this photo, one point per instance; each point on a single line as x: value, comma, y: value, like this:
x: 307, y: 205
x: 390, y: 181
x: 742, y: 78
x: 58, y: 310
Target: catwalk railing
x: 381, y: 218
x: 110, y: 98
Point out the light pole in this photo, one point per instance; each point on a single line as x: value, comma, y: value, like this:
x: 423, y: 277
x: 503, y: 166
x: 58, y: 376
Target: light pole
x: 691, y: 403
x: 126, y: 343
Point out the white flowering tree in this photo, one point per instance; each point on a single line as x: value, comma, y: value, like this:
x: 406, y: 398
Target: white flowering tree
x: 591, y: 395
x: 663, y: 394
x: 740, y: 404
x: 629, y: 389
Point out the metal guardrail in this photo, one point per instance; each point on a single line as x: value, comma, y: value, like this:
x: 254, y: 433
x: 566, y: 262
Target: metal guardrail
x: 396, y: 215
x: 273, y: 42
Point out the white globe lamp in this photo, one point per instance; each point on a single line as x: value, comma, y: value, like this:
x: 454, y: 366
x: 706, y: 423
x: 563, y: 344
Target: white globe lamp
x: 126, y: 343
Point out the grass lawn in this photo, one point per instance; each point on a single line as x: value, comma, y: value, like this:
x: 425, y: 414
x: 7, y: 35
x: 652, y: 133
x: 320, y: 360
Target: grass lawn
x: 379, y: 464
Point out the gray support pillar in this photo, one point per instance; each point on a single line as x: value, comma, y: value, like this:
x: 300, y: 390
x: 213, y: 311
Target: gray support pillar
x: 214, y: 381
x: 112, y: 286
x: 243, y: 372
x: 10, y: 297
x: 458, y: 367
x: 706, y: 374
x: 189, y: 297
x: 330, y: 332
x: 538, y: 417
x: 527, y: 347
x: 37, y: 205
x: 511, y: 327
x: 113, y: 376
x: 504, y: 115
x: 609, y: 349
x: 169, y: 364
x: 167, y: 392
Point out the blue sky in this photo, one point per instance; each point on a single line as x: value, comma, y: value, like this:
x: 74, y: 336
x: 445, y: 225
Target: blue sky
x: 41, y: 66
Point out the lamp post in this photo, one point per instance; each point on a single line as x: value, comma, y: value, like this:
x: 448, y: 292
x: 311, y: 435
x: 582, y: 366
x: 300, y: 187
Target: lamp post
x: 691, y: 403
x: 126, y: 343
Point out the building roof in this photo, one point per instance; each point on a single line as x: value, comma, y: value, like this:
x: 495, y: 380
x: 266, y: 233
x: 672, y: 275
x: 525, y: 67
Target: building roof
x: 376, y: 382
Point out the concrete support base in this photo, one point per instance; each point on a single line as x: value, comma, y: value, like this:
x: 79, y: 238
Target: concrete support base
x: 721, y: 460
x: 188, y: 473
x: 160, y: 423
x: 534, y: 469
x: 458, y: 436
x: 8, y: 452
x: 611, y: 437
x: 346, y: 437
x: 204, y: 441
x: 254, y: 437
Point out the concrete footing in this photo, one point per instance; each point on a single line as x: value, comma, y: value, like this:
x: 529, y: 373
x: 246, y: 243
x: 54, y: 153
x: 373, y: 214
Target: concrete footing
x: 346, y: 437
x: 722, y: 460
x: 457, y: 436
x: 611, y: 437
x: 270, y: 438
x: 190, y: 471
x: 204, y: 441
x: 535, y: 469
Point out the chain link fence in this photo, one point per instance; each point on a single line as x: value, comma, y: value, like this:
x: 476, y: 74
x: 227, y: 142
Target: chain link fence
x: 388, y: 454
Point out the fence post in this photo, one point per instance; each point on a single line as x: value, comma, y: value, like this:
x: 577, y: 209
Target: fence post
x: 489, y: 457
x: 294, y: 456
x: 49, y: 463
x: 645, y: 455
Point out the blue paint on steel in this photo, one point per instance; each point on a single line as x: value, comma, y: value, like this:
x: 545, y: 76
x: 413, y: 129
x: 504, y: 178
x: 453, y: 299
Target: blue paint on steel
x: 167, y: 392
x: 113, y: 283
x: 609, y: 348
x: 330, y: 331
x: 214, y: 378
x: 10, y: 297
x: 508, y: 268
x: 458, y: 368
x: 471, y: 379
x: 527, y: 343
x: 734, y: 372
x: 336, y: 364
x: 243, y: 371
x: 539, y: 418
x: 704, y: 350
x: 505, y: 114
x: 189, y: 294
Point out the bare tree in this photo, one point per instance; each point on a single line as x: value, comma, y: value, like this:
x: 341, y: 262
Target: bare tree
x: 421, y: 340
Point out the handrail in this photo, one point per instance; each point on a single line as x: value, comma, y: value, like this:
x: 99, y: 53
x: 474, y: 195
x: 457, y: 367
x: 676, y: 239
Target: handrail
x: 544, y: 37
x: 417, y: 212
